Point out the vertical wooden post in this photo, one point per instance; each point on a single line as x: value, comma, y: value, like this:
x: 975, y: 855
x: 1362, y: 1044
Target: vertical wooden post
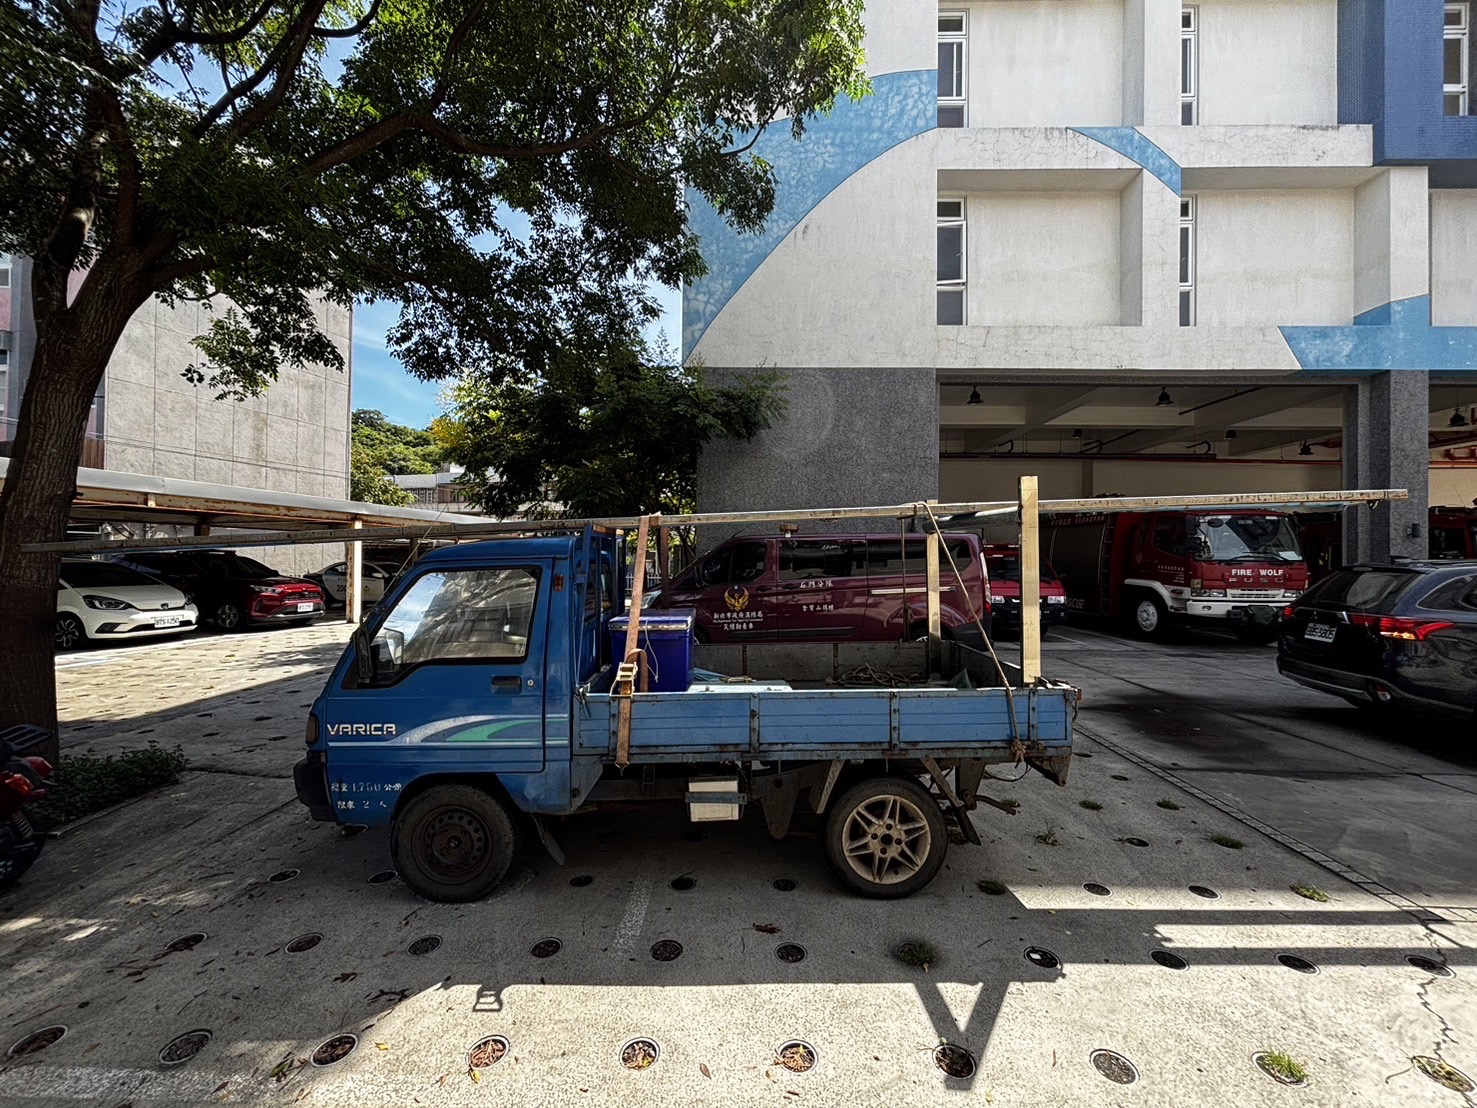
x: 1030, y: 583
x: 627, y: 670
x: 664, y: 554
x: 353, y: 578
x: 935, y: 614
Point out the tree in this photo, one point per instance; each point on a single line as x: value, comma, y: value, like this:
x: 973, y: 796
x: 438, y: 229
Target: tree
x: 381, y: 449
x: 614, y: 437
x: 510, y: 170
x: 371, y: 483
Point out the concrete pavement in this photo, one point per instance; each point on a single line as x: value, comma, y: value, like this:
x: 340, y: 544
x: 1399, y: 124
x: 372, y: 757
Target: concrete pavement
x: 86, y: 932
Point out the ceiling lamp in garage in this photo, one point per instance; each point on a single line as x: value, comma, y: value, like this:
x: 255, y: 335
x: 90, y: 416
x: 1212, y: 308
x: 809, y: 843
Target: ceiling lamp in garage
x: 1076, y: 432
x: 975, y: 397
x: 1305, y: 451
x: 1457, y: 419
x: 1230, y: 434
x: 1165, y: 400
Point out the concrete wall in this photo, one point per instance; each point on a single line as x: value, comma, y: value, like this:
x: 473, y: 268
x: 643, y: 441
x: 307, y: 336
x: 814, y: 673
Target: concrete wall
x: 1454, y: 257
x: 294, y: 438
x: 1275, y: 257
x: 1044, y: 63
x: 962, y: 479
x: 1269, y: 61
x: 1044, y: 258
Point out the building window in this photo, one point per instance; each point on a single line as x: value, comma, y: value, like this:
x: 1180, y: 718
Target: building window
x: 4, y: 272
x: 1189, y: 66
x: 1456, y: 60
x: 4, y: 395
x: 952, y: 26
x: 951, y: 262
x: 1187, y: 261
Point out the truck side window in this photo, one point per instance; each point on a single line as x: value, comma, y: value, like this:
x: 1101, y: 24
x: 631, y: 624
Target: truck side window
x: 801, y: 560
x: 1169, y: 536
x: 885, y: 558
x: 735, y: 564
x: 461, y: 614
x: 1448, y: 542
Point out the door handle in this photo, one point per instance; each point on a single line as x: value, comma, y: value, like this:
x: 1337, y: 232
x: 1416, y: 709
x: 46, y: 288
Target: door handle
x: 506, y: 684
x: 791, y: 588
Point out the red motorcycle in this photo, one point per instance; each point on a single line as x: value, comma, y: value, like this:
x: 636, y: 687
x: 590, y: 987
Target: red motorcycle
x: 24, y: 779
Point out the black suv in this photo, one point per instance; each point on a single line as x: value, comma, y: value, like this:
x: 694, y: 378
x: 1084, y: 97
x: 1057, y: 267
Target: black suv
x: 231, y: 590
x: 1382, y: 635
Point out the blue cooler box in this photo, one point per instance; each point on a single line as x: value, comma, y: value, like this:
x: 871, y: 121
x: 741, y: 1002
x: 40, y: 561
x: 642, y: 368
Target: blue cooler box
x: 666, y: 636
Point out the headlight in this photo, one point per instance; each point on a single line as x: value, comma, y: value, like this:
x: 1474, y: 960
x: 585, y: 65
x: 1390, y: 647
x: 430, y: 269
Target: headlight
x: 1208, y: 592
x: 1056, y: 599
x: 265, y: 590
x: 997, y: 599
x: 1291, y: 594
x: 107, y: 603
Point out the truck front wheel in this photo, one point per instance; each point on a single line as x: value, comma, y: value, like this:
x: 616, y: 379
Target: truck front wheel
x: 1149, y: 616
x: 885, y: 837
x: 452, y: 843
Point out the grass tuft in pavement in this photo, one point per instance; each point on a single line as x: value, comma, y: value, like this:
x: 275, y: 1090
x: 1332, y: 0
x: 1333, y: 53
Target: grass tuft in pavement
x: 916, y: 953
x: 1168, y: 805
x: 1090, y: 805
x: 1047, y: 836
x: 1310, y: 892
x: 1281, y: 1064
x: 993, y: 888
x: 1227, y: 842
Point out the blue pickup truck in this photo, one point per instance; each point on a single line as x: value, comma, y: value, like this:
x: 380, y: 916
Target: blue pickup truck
x: 481, y: 695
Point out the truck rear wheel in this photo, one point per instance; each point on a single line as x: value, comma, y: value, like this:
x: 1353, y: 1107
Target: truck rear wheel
x: 885, y: 837
x: 452, y: 843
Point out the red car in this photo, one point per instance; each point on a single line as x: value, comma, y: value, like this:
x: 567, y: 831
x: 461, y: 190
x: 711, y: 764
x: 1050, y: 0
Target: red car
x: 231, y: 590
x: 829, y: 588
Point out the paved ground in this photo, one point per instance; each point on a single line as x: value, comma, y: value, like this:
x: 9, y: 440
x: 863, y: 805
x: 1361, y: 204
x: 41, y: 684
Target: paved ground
x: 85, y: 935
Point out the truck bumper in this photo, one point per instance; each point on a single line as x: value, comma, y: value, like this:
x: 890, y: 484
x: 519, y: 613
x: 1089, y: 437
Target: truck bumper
x: 310, y: 779
x: 1235, y: 611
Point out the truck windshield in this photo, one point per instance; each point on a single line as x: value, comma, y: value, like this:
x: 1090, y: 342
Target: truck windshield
x: 1007, y: 567
x: 1227, y: 538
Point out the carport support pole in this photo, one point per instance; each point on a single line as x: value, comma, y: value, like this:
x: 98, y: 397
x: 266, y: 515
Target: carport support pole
x: 1030, y: 583
x: 354, y: 577
x: 935, y: 612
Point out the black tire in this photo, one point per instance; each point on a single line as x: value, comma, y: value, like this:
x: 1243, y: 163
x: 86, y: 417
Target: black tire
x: 228, y: 617
x: 453, y: 843
x: 1147, y: 616
x: 902, y: 871
x: 71, y: 634
x: 1045, y: 631
x: 21, y: 832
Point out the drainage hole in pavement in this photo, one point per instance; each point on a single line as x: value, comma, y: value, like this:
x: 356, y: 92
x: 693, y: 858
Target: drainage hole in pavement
x: 1430, y: 965
x: 790, y: 952
x: 1443, y: 1074
x: 1114, y: 1067
x: 581, y: 880
x: 283, y: 875
x: 424, y: 945
x: 786, y: 884
x: 184, y: 1048
x: 640, y: 1054
x: 954, y: 1060
x: 682, y: 884
x: 1293, y: 962
x: 797, y: 1056
x: 487, y: 1052
x: 38, y: 1040
x: 695, y: 835
x: 335, y: 1049
x: 665, y: 950
x: 186, y: 942
x: 1042, y: 958
x: 1118, y: 777
x: 261, y: 719
x: 383, y: 877
x: 304, y: 942
x: 1135, y: 842
x: 1279, y: 1074
x: 1168, y: 960
x: 547, y: 948
x: 1208, y: 894
x: 1097, y: 890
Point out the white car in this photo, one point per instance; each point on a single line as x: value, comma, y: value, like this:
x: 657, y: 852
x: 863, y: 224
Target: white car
x: 335, y: 580
x: 104, y: 600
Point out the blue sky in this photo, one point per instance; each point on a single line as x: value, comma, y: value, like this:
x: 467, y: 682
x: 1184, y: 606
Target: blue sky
x: 379, y: 381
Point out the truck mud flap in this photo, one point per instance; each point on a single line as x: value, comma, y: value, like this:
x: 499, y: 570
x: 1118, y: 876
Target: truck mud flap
x: 1053, y: 769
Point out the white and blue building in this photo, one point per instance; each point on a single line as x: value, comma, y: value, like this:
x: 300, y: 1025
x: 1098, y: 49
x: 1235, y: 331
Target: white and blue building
x: 1131, y: 246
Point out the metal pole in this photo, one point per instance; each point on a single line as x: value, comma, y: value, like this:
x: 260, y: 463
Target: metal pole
x: 354, y: 577
x: 1030, y: 583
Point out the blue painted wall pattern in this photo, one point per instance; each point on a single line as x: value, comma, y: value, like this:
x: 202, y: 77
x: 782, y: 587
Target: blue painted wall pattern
x: 1393, y: 336
x: 1137, y: 148
x: 902, y: 105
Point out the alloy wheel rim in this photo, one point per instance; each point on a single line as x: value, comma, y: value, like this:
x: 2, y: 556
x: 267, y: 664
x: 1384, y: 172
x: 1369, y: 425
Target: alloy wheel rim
x: 1148, y: 615
x: 67, y: 633
x: 886, y: 839
x: 227, y: 616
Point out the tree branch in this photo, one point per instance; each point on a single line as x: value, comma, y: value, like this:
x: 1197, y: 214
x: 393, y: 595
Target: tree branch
x: 453, y: 47
x: 298, y: 38
x: 349, y: 32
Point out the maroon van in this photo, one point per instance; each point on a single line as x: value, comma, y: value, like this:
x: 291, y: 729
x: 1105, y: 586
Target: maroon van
x: 828, y: 588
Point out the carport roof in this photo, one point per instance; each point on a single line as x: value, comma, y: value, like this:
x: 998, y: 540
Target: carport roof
x: 105, y: 496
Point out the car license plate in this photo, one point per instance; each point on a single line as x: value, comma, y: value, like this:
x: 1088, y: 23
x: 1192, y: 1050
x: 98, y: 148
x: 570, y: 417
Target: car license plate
x: 166, y: 621
x: 306, y: 606
x: 1320, y: 632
